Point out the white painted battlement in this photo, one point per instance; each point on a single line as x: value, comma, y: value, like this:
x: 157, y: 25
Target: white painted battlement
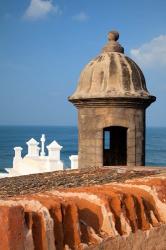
x: 74, y: 161
x: 36, y: 160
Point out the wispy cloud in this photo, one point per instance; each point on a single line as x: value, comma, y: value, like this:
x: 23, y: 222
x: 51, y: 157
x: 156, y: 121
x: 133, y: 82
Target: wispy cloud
x: 39, y: 9
x: 151, y: 54
x: 81, y: 17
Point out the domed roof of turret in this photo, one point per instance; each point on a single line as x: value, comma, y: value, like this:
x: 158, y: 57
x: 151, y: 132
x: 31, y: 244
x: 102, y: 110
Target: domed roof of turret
x: 111, y: 74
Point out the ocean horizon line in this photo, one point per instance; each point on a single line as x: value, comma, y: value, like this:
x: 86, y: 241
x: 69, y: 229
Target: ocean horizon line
x: 38, y: 125
x: 75, y: 126
x: 67, y: 136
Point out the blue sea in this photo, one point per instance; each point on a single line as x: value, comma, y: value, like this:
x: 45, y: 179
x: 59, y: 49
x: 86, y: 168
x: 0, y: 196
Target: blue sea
x: 12, y: 136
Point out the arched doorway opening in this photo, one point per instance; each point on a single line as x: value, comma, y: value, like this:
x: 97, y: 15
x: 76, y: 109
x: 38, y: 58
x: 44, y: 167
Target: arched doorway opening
x: 115, y: 146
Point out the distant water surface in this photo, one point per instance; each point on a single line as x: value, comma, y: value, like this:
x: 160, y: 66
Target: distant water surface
x: 156, y: 147
x: 11, y: 136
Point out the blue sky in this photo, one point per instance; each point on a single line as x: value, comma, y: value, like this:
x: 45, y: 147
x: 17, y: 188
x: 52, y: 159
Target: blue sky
x: 45, y: 44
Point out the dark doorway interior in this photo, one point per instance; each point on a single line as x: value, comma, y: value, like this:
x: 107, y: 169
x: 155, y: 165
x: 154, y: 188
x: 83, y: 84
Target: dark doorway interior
x: 115, y: 146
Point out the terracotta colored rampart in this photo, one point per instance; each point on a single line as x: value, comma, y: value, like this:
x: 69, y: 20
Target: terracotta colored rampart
x: 131, y: 215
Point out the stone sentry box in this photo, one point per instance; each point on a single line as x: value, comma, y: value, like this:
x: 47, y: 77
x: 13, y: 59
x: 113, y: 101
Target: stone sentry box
x: 111, y: 98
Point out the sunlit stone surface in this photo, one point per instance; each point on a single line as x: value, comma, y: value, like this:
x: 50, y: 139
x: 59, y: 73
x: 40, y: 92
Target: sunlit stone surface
x: 111, y: 98
x: 117, y: 215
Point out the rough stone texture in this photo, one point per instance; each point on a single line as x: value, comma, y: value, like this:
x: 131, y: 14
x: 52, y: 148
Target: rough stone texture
x: 129, y: 215
x: 153, y: 239
x: 111, y: 92
x: 11, y: 228
x: 111, y: 74
x: 72, y: 178
x: 91, y: 134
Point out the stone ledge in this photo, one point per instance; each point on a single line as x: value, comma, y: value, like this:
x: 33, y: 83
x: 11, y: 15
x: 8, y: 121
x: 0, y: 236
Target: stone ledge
x: 72, y: 178
x: 129, y: 214
x: 154, y: 238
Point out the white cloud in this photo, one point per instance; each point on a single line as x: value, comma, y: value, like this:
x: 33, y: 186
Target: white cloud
x: 81, y: 17
x: 152, y: 54
x: 38, y: 9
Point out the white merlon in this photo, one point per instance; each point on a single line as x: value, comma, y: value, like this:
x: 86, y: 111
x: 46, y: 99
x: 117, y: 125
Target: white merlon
x: 74, y: 161
x: 17, y: 156
x: 54, y: 150
x: 54, y: 156
x: 33, y: 149
x: 17, y: 151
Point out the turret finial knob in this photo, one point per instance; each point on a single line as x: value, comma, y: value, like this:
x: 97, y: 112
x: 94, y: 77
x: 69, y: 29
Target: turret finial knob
x: 113, y: 35
x: 112, y: 44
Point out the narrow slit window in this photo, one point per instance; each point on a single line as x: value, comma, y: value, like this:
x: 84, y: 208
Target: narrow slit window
x: 106, y: 139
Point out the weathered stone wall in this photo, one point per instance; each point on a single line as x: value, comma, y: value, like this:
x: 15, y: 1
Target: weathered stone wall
x: 91, y: 122
x: 153, y: 239
x: 120, y: 216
